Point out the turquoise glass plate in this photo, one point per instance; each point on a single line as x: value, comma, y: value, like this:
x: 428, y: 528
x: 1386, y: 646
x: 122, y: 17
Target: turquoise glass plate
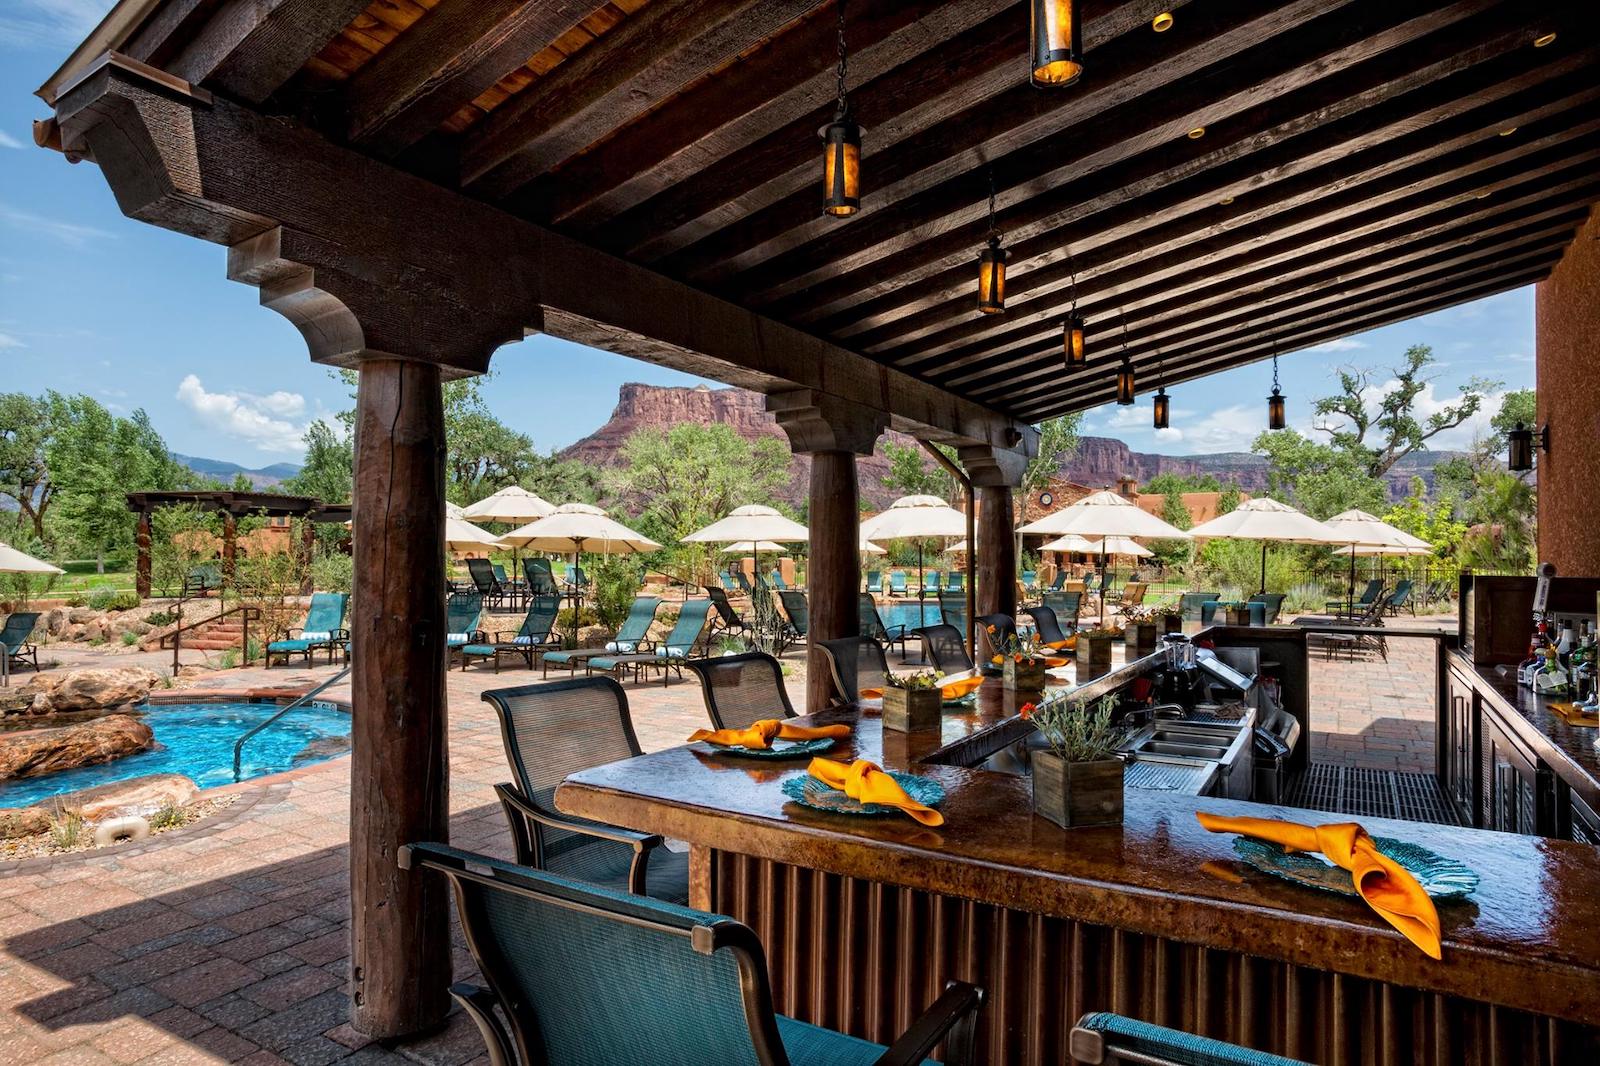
x: 1439, y: 876
x: 809, y: 792
x: 780, y: 749
x: 963, y: 701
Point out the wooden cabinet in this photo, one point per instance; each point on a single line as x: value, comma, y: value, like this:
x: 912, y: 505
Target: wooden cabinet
x: 1515, y: 791
x: 1579, y: 821
x: 1458, y: 757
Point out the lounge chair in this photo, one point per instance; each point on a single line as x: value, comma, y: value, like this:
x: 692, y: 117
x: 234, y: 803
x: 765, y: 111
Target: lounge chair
x: 897, y: 583
x: 551, y: 730
x: 207, y: 577
x: 577, y: 580
x: 1059, y: 582
x: 932, y: 582
x: 743, y: 580
x: 632, y: 638
x: 1258, y: 612
x: 1112, y: 1040
x: 1030, y: 578
x: 488, y: 587
x: 725, y: 621
x: 798, y: 612
x: 777, y: 580
x: 14, y: 643
x: 1132, y: 594
x: 875, y: 582
x: 669, y: 655
x: 576, y: 974
x: 323, y: 628
x: 541, y: 580
x: 727, y: 582
x: 742, y: 689
x: 529, y: 640
x: 873, y: 626
x: 1359, y: 606
x: 1046, y: 626
x: 855, y: 663
x: 1066, y: 605
x: 955, y: 581
x: 461, y: 615
x: 1401, y: 597
x: 953, y: 609
x: 945, y: 647
x: 1190, y: 602
x: 1274, y: 602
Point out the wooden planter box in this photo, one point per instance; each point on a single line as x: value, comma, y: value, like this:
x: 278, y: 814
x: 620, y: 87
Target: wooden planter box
x: 1237, y: 616
x: 1075, y: 794
x: 1140, y: 638
x: 1023, y: 676
x: 1096, y: 652
x: 907, y: 709
x: 1172, y: 623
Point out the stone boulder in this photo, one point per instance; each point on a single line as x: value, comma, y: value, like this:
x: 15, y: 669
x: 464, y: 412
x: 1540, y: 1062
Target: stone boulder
x: 23, y: 822
x: 79, y: 615
x: 46, y: 751
x: 92, y: 690
x: 143, y: 796
x: 54, y: 620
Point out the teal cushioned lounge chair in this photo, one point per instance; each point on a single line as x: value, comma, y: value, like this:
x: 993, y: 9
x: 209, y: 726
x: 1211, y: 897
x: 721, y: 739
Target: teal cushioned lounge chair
x: 14, y: 640
x: 669, y: 654
x: 529, y: 640
x: 323, y: 628
x: 631, y: 639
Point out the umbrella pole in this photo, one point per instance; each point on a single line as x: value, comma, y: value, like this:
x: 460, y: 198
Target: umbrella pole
x: 1350, y: 599
x: 1102, y: 582
x: 1263, y: 568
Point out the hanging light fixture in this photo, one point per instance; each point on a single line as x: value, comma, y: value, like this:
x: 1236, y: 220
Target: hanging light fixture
x: 1072, y: 330
x: 992, y: 266
x: 1275, y: 415
x: 1125, y: 384
x: 1057, y: 52
x: 841, y: 149
x: 1162, y: 409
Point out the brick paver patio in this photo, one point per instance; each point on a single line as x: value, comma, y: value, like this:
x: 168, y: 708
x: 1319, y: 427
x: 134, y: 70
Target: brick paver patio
x: 226, y: 941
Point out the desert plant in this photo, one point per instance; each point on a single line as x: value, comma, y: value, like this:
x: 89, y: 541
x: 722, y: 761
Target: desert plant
x: 170, y: 816
x: 616, y: 581
x: 1076, y: 730
x: 161, y: 618
x: 332, y: 571
x: 102, y: 597
x: 66, y: 829
x: 129, y: 638
x: 730, y: 645
x: 918, y: 682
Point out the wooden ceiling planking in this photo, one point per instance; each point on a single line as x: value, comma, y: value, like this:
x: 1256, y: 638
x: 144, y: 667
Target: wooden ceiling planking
x: 250, y: 48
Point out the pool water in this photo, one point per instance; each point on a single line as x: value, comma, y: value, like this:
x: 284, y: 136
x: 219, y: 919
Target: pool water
x: 196, y: 740
x: 910, y: 615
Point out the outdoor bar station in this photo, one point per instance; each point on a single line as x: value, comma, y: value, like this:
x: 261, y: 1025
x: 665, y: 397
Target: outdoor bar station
x: 1032, y: 207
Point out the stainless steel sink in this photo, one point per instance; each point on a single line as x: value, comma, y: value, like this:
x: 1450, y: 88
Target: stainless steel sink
x: 1223, y: 746
x: 1171, y: 747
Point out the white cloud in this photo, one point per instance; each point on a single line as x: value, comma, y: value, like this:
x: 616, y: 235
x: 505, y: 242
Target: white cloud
x: 1343, y: 344
x: 8, y: 341
x: 40, y: 23
x: 1171, y: 434
x: 8, y: 141
x: 69, y: 233
x: 1231, y: 429
x: 260, y: 420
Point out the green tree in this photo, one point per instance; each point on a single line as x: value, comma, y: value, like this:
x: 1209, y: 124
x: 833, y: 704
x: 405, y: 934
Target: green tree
x: 328, y: 473
x: 1058, y: 442
x: 1435, y: 522
x: 1502, y: 536
x: 1518, y: 405
x: 25, y: 425
x: 912, y: 472
x: 1228, y: 500
x: 1174, y: 513
x: 1165, y: 483
x: 1319, y: 479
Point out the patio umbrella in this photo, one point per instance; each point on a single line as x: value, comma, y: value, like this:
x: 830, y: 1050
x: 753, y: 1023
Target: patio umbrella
x: 576, y: 528
x: 752, y: 524
x: 13, y: 561
x: 760, y: 546
x: 452, y: 510
x: 1357, y: 529
x: 915, y: 518
x: 513, y: 505
x: 1101, y: 516
x: 869, y: 548
x: 461, y: 536
x: 1265, y: 520
x: 1072, y: 542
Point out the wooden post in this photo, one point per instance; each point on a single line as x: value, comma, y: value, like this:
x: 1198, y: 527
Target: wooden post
x: 400, y: 963
x: 308, y: 549
x: 141, y: 571
x: 997, y: 562
x: 230, y: 547
x: 833, y: 432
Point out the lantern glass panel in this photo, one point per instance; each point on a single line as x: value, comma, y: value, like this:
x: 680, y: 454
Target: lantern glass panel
x: 1125, y: 384
x: 1057, y: 52
x: 1275, y: 412
x: 841, y: 169
x: 992, y: 280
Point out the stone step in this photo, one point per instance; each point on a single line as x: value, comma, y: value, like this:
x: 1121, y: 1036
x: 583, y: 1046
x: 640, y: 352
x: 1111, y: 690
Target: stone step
x: 209, y: 644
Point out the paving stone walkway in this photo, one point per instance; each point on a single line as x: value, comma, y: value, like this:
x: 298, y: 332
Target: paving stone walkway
x: 227, y: 941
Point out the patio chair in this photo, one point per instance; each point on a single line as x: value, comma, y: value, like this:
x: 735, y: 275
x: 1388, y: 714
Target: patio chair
x: 14, y: 643
x: 1189, y: 604
x: 855, y: 663
x: 725, y: 620
x: 932, y: 581
x: 1274, y: 602
x: 897, y: 583
x: 953, y: 609
x: 631, y: 638
x: 955, y: 581
x: 742, y: 689
x: 577, y: 580
x: 798, y: 613
x: 540, y: 578
x: 1066, y: 605
x: 584, y: 975
x: 777, y: 580
x: 1132, y: 594
x: 1005, y: 630
x: 743, y: 581
x: 1046, y: 626
x: 668, y: 655
x: 945, y: 647
x: 1349, y: 608
x: 875, y: 582
x: 1114, y: 1040
x: 1107, y: 576
x: 487, y: 585
x: 727, y: 581
x: 1401, y: 597
x: 461, y: 614
x: 207, y: 577
x: 1059, y: 583
x: 874, y: 627
x: 323, y: 628
x: 532, y: 638
x: 1257, y: 608
x: 551, y: 730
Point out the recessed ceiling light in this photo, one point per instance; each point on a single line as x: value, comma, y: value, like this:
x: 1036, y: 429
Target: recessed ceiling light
x: 1484, y: 195
x: 1162, y: 22
x: 1197, y: 133
x: 1508, y: 131
x: 1544, y: 39
x: 1225, y: 200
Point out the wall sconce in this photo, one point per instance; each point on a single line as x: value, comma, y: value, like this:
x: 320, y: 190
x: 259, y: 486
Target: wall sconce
x: 1520, y: 442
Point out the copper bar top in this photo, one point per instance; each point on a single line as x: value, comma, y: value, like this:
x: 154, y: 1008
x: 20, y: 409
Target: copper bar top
x: 1525, y: 939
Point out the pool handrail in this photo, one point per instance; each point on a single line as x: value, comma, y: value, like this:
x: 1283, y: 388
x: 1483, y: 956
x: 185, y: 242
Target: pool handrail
x: 298, y: 701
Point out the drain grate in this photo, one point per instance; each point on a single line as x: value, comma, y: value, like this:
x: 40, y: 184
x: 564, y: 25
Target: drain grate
x: 1370, y: 793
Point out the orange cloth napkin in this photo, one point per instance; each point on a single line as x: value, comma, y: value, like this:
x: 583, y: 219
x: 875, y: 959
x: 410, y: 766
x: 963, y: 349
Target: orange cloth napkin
x: 872, y: 693
x: 1387, y: 887
x: 1059, y: 644
x: 760, y: 734
x: 1052, y: 662
x: 954, y: 690
x: 865, y: 782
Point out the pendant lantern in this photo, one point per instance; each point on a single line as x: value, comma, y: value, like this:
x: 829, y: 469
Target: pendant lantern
x: 992, y: 266
x: 841, y: 149
x: 1275, y: 412
x: 1057, y: 52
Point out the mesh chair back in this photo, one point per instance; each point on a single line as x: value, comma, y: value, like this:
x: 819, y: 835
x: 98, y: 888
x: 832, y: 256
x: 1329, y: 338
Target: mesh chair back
x: 855, y: 663
x: 743, y: 579
x: 556, y: 729
x: 794, y: 605
x: 1005, y: 629
x: 946, y: 648
x: 1064, y: 604
x: 1046, y: 624
x: 540, y: 619
x: 482, y: 576
x: 591, y: 977
x: 578, y: 577
x: 953, y: 609
x: 1274, y: 605
x: 956, y: 582
x: 874, y: 581
x: 724, y: 607
x: 897, y: 582
x: 541, y: 582
x: 1105, y: 580
x: 1370, y: 593
x: 934, y: 581
x: 326, y: 612
x: 871, y: 622
x: 1190, y: 602
x: 1060, y: 580
x: 727, y: 581
x: 641, y: 616
x: 18, y: 627
x: 462, y: 611
x: 741, y: 689
x: 499, y: 573
x: 1133, y: 593
x: 686, y: 630
x: 1401, y: 593
x: 777, y: 579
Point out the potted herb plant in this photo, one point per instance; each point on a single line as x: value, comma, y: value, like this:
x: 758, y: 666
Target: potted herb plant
x: 1094, y: 646
x: 1078, y: 780
x: 912, y: 701
x: 1140, y: 633
x: 1021, y: 666
x: 1168, y: 617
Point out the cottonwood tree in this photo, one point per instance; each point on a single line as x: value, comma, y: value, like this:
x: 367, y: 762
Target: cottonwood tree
x: 24, y: 474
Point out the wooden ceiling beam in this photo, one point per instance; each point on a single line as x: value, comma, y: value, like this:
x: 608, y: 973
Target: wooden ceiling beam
x: 1411, y: 205
x: 249, y: 48
x: 644, y: 61
x: 944, y: 167
x: 1360, y: 321
x: 1342, y: 164
x: 448, y: 59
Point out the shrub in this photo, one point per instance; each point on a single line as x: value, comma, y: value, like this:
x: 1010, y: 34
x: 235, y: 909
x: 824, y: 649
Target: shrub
x: 102, y: 598
x: 161, y: 618
x: 66, y: 829
x: 170, y: 816
x: 129, y: 638
x: 332, y: 571
x: 616, y: 582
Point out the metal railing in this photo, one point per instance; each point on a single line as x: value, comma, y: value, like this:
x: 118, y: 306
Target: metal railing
x: 299, y: 701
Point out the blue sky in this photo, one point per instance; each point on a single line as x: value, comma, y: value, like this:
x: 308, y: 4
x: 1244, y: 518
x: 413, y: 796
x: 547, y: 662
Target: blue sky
x: 93, y: 302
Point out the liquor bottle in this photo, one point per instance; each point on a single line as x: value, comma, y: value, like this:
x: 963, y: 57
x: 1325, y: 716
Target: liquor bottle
x: 1531, y: 665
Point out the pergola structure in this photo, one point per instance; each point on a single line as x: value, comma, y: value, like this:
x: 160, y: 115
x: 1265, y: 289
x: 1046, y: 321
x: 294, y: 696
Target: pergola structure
x: 415, y: 183
x: 232, y: 506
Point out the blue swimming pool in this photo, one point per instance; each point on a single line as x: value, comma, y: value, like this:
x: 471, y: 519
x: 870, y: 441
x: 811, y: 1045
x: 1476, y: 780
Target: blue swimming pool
x: 910, y: 615
x: 196, y: 740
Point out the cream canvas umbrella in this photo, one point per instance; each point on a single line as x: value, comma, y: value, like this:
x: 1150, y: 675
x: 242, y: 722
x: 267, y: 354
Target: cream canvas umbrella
x: 513, y: 505
x: 575, y: 528
x: 1359, y: 530
x: 1072, y: 542
x: 760, y: 546
x: 916, y: 518
x: 751, y: 524
x: 1265, y: 520
x: 462, y: 536
x: 452, y: 510
x: 13, y: 561
x: 1101, y: 516
x: 869, y: 548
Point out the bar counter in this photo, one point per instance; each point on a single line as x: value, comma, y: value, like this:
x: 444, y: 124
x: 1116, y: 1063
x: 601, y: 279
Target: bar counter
x: 865, y: 918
